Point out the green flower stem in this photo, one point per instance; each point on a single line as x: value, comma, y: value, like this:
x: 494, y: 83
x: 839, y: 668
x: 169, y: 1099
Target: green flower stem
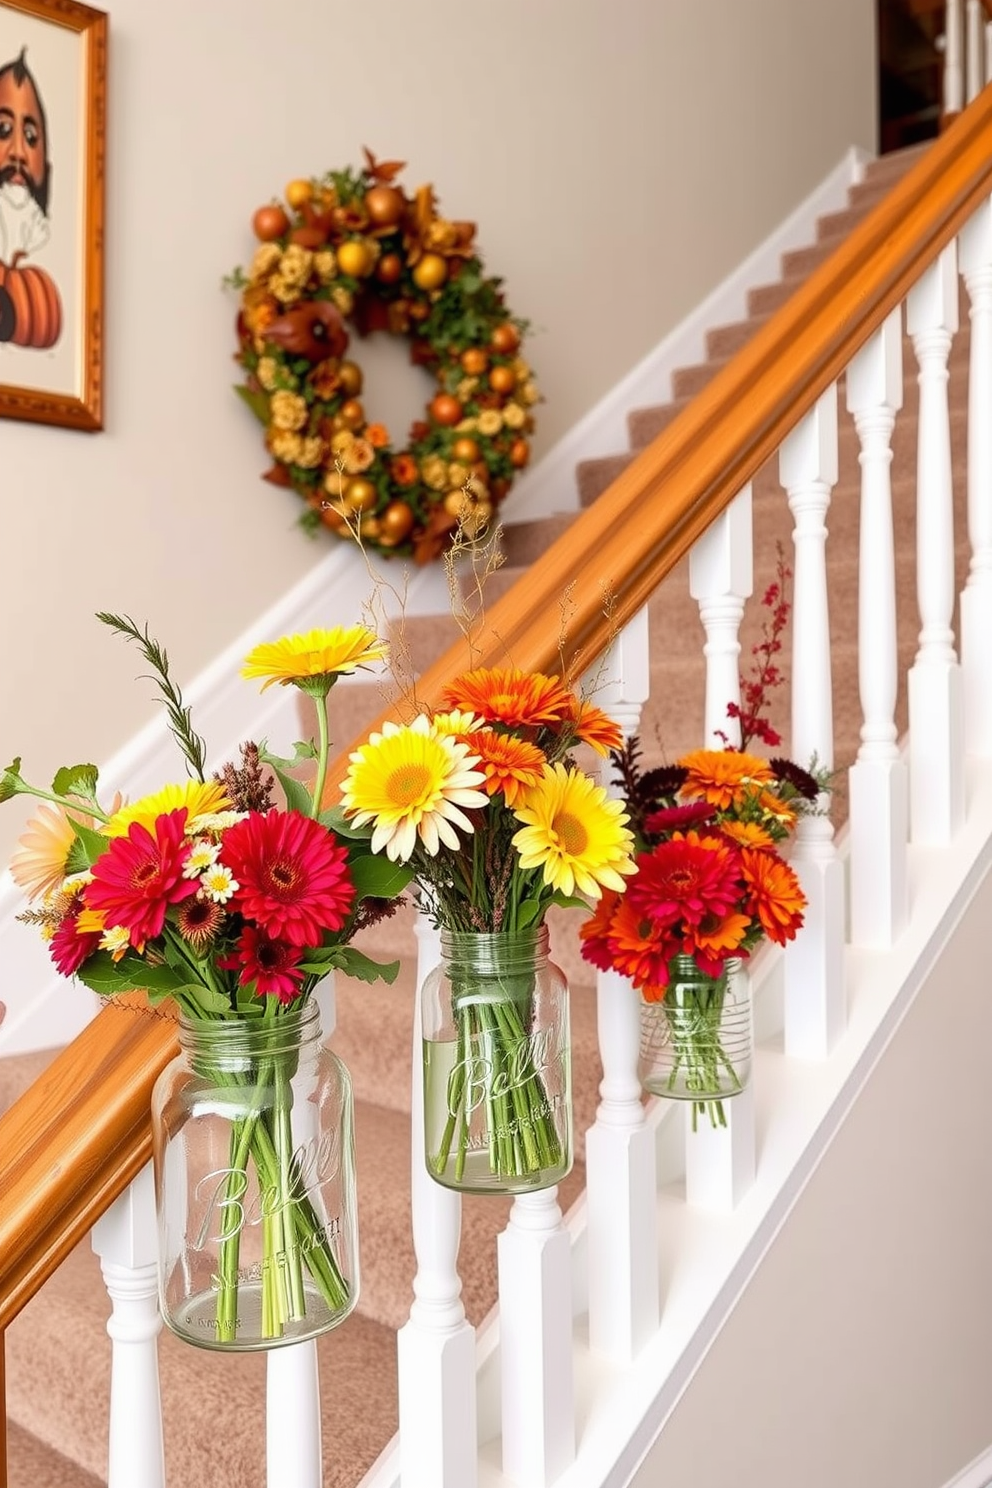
x: 699, y: 1055
x: 291, y: 1231
x: 521, y: 1135
x: 323, y: 752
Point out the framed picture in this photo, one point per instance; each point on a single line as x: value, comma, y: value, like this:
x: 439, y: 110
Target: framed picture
x: 53, y: 59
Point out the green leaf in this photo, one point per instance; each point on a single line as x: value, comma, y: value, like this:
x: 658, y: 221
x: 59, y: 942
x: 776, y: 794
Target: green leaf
x: 11, y: 783
x: 88, y: 846
x: 356, y: 964
x: 570, y: 901
x: 258, y: 402
x: 206, y: 998
x: 334, y: 817
x: 528, y: 912
x: 76, y: 780
x: 298, y: 797
x: 375, y: 877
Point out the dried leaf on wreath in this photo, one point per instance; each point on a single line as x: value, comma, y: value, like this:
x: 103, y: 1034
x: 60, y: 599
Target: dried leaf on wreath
x: 278, y: 475
x: 432, y: 540
x: 382, y: 170
x: 257, y: 401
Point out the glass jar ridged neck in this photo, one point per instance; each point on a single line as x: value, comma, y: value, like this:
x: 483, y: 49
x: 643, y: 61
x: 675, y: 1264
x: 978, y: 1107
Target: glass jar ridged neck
x: 485, y: 953
x: 230, y: 1042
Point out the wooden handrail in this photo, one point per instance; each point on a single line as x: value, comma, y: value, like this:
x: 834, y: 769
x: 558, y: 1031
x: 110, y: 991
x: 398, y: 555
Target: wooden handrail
x: 75, y: 1139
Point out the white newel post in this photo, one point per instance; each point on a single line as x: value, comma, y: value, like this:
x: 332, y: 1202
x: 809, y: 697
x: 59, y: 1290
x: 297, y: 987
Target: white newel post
x: 954, y: 58
x: 879, y: 787
x: 976, y: 598
x: 975, y: 49
x: 292, y: 1417
x: 936, y: 727
x: 720, y: 1161
x: 126, y: 1240
x: 621, y: 1199
x: 535, y: 1341
x: 436, y: 1347
x: 815, y: 1012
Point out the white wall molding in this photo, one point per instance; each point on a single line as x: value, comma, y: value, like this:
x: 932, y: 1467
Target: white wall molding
x: 977, y: 1474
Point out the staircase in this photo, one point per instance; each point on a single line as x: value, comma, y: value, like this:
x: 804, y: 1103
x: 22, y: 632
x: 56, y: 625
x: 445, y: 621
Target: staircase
x: 57, y: 1349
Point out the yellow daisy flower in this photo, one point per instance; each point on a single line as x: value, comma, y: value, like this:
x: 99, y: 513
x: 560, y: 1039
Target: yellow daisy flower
x: 198, y: 796
x: 317, y: 656
x: 411, y: 783
x: 575, y: 833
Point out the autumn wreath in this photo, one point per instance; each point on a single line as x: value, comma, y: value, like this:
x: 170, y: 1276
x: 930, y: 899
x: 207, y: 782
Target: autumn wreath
x: 354, y: 250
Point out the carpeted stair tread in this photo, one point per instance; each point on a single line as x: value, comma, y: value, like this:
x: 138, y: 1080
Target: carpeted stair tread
x: 32, y: 1463
x: 213, y: 1404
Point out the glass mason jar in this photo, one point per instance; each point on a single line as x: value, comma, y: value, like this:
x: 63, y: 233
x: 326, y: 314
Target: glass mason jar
x: 497, y: 1064
x: 696, y: 1041
x: 253, y: 1129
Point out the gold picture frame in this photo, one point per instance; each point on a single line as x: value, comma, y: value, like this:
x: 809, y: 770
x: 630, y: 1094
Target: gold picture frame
x: 53, y: 77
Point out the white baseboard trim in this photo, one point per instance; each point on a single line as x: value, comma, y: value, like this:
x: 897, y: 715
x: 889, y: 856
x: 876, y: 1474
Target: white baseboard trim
x: 977, y: 1474
x: 40, y: 1011
x: 550, y: 486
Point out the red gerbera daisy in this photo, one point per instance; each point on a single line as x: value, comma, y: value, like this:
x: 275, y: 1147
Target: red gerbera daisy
x: 292, y: 875
x: 273, y: 965
x: 139, y: 876
x: 672, y: 818
x: 686, y: 879
x: 69, y: 949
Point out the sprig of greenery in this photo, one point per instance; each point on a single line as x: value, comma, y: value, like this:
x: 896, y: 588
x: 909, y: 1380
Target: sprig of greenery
x: 180, y: 720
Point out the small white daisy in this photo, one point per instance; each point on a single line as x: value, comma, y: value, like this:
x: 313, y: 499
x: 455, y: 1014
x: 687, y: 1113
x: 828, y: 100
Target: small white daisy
x: 218, y: 884
x: 203, y: 854
x: 76, y: 881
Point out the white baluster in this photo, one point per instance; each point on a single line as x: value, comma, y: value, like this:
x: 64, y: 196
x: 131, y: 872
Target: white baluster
x: 976, y: 598
x: 126, y: 1240
x: 953, y: 58
x: 975, y: 49
x: 879, y: 788
x: 621, y: 1199
x: 292, y: 1417
x: 721, y: 579
x: 720, y: 1161
x: 988, y: 49
x: 936, y: 729
x: 535, y: 1341
x: 815, y: 1012
x: 436, y: 1347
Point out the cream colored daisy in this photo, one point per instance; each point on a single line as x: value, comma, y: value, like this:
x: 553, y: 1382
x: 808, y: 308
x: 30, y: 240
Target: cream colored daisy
x: 218, y: 884
x: 414, y: 786
x: 203, y: 854
x: 38, y: 865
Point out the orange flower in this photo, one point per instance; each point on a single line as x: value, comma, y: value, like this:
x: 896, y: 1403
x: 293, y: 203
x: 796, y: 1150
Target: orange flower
x: 714, y: 941
x: 505, y: 695
x: 325, y: 379
x: 781, y: 811
x: 511, y: 765
x: 594, y: 932
x: 596, y: 728
x: 640, y: 948
x: 721, y: 776
x: 746, y: 834
x: 404, y: 470
x: 377, y: 435
x: 777, y: 898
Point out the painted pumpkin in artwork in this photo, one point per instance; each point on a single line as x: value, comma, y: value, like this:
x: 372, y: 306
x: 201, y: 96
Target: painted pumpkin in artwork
x: 30, y: 306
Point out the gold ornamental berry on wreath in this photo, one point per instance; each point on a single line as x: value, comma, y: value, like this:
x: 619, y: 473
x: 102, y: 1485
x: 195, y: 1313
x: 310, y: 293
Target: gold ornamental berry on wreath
x: 352, y: 251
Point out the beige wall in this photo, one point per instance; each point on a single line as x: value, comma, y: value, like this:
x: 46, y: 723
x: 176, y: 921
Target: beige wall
x: 620, y: 157
x: 860, y: 1355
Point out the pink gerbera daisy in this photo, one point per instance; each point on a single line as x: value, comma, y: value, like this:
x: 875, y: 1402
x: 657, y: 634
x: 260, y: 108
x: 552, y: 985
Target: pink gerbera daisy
x: 140, y: 876
x: 292, y: 875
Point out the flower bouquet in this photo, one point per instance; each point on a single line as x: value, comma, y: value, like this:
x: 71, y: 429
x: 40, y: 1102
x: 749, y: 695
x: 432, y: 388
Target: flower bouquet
x: 710, y: 885
x: 209, y: 894
x: 483, y: 801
